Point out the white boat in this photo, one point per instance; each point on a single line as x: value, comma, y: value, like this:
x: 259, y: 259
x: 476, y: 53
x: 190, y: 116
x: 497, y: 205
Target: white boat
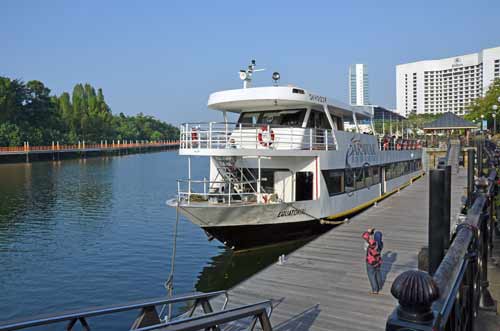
x: 286, y: 169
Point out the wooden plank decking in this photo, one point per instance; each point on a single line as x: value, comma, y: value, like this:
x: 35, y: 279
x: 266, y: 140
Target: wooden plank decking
x: 323, y: 285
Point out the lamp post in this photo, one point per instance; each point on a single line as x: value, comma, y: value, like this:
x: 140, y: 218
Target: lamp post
x: 494, y: 115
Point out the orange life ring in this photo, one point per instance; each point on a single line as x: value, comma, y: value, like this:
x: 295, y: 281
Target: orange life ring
x: 260, y: 136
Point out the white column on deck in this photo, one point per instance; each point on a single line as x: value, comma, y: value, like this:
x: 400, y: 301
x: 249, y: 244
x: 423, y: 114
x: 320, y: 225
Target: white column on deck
x: 258, y: 179
x: 332, y: 124
x: 355, y: 121
x: 189, y: 179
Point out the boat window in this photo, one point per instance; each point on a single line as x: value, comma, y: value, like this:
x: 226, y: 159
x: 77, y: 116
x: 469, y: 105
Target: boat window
x: 270, y: 118
x: 293, y: 118
x: 368, y: 176
x: 318, y: 120
x: 349, y: 180
x: 375, y: 175
x: 249, y: 118
x: 360, y: 178
x: 334, y: 181
x: 288, y: 117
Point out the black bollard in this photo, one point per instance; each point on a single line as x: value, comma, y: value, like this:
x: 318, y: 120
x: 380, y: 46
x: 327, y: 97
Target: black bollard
x: 437, y: 230
x: 415, y: 291
x: 479, y: 158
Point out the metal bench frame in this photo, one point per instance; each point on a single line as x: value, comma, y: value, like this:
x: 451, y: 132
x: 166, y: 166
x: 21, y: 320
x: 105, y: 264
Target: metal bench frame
x: 148, y: 314
x: 212, y: 321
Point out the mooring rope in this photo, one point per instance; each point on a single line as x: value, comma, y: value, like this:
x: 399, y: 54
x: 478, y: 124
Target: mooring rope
x: 169, y: 283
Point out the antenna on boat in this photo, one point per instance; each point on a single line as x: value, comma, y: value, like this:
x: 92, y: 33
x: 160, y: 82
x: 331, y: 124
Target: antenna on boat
x: 246, y: 75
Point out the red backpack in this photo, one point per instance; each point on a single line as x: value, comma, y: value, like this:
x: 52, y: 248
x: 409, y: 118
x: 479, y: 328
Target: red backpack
x: 372, y: 254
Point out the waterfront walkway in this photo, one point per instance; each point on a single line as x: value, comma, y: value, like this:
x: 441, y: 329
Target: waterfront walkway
x: 323, y: 285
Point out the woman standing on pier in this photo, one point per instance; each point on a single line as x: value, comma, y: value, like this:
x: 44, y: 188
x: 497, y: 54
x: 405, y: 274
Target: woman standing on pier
x: 373, y: 259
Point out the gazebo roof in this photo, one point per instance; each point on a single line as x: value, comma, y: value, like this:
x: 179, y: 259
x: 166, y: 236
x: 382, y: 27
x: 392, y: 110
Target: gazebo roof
x: 450, y: 121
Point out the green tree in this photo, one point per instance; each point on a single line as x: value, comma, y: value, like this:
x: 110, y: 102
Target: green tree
x: 484, y: 105
x: 29, y: 113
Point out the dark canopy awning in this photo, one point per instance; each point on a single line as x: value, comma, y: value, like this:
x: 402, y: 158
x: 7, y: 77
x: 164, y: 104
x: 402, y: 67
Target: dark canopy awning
x: 449, y: 121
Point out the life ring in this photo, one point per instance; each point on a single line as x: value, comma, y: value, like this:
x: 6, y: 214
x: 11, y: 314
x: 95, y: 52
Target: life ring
x: 398, y: 146
x: 267, y: 135
x: 194, y: 134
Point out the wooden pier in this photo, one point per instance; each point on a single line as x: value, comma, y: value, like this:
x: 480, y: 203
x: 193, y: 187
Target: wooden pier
x: 324, y: 285
x: 57, y: 151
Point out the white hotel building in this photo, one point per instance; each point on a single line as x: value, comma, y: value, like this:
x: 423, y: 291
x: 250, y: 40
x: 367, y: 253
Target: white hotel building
x: 445, y: 85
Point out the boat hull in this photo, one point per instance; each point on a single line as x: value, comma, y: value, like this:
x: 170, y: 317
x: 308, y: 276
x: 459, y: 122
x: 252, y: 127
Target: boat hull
x: 241, y: 237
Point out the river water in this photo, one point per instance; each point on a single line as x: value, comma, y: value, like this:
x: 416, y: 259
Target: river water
x: 89, y: 232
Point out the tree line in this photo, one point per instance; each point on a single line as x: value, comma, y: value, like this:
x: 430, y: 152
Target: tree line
x: 28, y: 112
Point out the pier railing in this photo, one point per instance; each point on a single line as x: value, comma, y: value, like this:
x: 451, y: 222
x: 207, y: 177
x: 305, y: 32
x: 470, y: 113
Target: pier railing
x: 83, y: 146
x: 450, y: 297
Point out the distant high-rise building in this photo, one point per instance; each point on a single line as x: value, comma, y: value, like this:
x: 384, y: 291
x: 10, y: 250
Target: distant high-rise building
x: 358, y: 84
x: 445, y: 85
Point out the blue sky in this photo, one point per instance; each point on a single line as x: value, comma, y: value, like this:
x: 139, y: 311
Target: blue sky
x: 164, y: 57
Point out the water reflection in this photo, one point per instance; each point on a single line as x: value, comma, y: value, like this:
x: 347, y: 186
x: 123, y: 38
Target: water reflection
x: 80, y: 233
x: 229, y: 268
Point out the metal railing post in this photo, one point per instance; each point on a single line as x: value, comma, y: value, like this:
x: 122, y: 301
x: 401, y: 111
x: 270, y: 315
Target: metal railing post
x: 470, y: 176
x: 486, y: 301
x: 437, y: 230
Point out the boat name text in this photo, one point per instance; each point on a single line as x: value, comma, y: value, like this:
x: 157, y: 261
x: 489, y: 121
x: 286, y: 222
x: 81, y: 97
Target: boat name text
x: 317, y: 98
x: 291, y: 212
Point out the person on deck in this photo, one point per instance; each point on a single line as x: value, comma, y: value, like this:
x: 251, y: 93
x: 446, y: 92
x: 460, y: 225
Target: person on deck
x: 373, y: 260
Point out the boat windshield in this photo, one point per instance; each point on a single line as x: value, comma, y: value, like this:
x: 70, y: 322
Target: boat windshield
x: 288, y: 117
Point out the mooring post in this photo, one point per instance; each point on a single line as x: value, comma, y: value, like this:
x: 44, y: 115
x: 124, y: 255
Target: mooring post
x: 437, y: 228
x: 470, y: 176
x: 446, y: 211
x: 479, y: 147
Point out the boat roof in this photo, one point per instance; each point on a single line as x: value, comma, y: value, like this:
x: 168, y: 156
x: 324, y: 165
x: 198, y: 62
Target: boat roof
x: 279, y: 97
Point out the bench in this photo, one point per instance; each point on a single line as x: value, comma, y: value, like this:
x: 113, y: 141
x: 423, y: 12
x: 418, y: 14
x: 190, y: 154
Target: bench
x: 148, y: 314
x: 259, y: 311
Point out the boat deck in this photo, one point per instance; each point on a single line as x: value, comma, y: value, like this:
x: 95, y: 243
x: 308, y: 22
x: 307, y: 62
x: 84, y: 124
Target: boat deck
x: 324, y: 286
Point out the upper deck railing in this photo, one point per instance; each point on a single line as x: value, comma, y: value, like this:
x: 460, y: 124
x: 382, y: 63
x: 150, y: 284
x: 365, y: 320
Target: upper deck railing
x: 216, y: 135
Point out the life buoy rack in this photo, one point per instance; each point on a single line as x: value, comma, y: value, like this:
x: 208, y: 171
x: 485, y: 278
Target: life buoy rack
x: 263, y: 132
